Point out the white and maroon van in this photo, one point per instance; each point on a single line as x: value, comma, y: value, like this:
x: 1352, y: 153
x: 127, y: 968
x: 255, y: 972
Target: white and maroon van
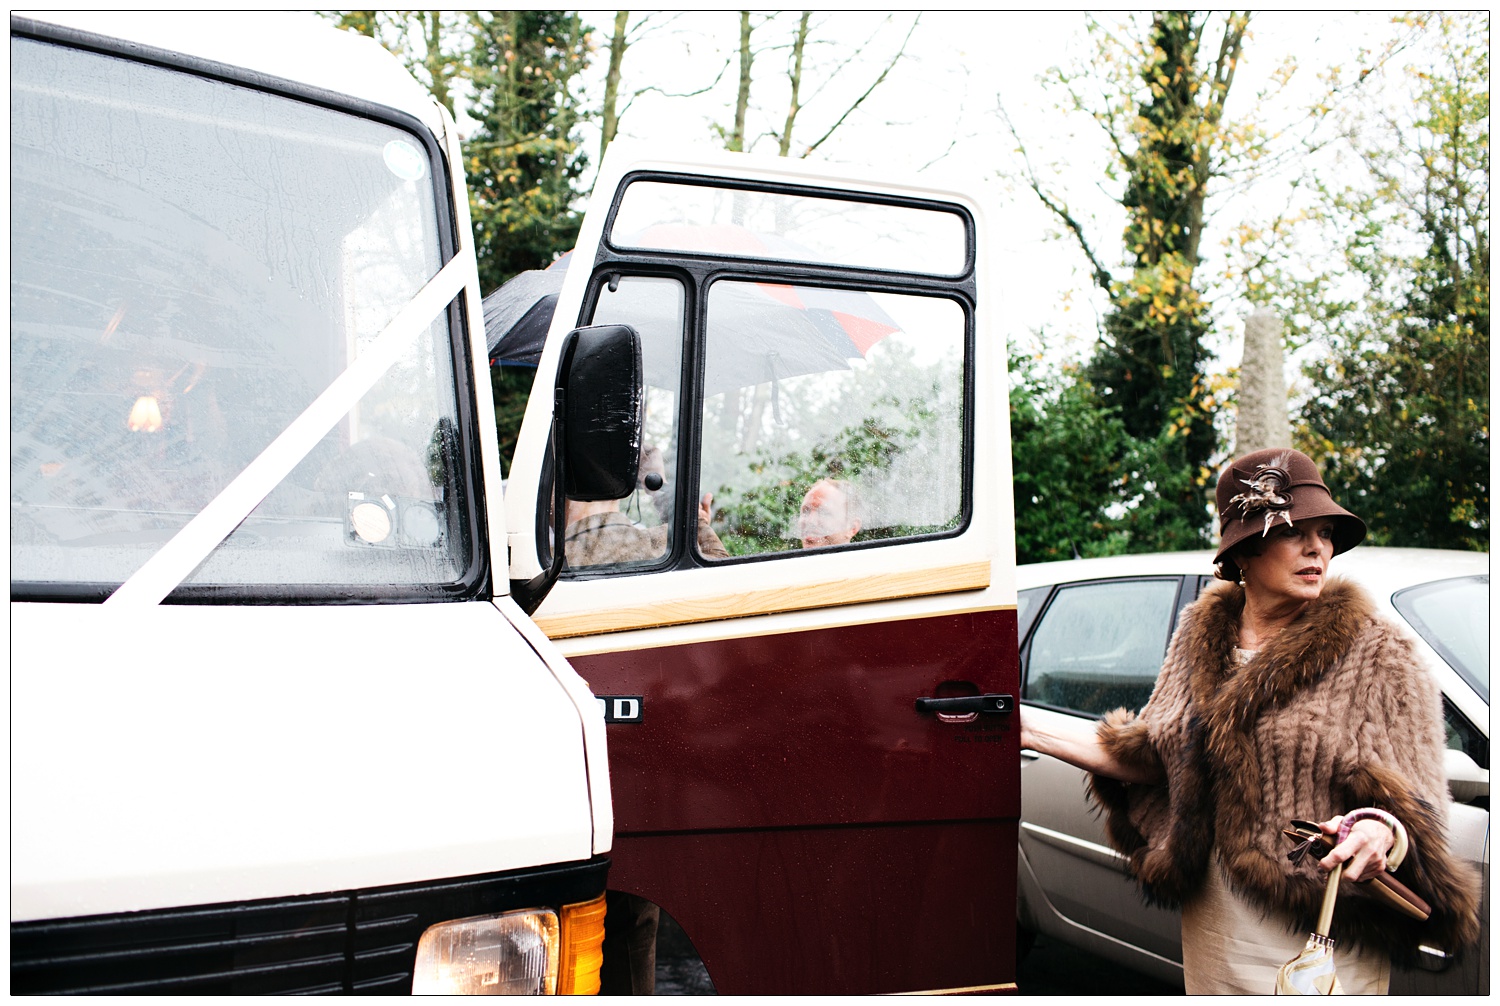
x: 302, y: 702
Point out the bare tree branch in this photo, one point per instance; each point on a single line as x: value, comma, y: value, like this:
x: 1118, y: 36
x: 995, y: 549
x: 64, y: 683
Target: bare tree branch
x: 795, y: 75
x: 869, y: 90
x: 1102, y: 277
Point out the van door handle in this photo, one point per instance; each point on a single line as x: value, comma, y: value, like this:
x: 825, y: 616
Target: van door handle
x: 989, y: 703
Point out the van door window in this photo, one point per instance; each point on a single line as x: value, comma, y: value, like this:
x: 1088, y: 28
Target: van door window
x: 831, y: 416
x: 790, y: 227
x: 193, y: 263
x: 636, y: 532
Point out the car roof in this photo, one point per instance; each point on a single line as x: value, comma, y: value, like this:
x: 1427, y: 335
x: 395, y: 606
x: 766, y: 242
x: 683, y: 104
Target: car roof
x: 1381, y: 571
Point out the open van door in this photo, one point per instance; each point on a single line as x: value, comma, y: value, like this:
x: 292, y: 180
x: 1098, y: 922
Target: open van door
x: 802, y: 622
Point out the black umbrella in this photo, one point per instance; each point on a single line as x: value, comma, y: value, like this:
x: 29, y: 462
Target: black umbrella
x: 517, y: 315
x: 761, y: 332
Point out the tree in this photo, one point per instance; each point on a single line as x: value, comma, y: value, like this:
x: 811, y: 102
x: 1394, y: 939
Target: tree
x: 1400, y: 415
x: 1067, y: 451
x: 795, y: 77
x: 618, y: 97
x: 1163, y: 116
x: 523, y: 160
x: 431, y: 43
x: 801, y: 72
x: 514, y: 72
x: 609, y: 112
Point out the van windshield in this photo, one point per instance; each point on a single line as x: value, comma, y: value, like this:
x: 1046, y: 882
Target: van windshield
x: 193, y: 262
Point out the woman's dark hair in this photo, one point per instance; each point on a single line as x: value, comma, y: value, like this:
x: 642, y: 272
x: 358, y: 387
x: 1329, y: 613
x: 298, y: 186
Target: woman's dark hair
x: 1229, y: 567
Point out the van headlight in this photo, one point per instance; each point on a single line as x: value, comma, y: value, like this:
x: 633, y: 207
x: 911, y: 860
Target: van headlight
x: 530, y: 952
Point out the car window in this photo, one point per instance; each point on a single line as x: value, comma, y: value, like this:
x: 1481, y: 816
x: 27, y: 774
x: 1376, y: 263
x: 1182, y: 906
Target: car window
x: 1461, y: 735
x: 1099, y: 646
x: 1028, y: 605
x: 1454, y: 617
x: 786, y: 227
x: 171, y: 315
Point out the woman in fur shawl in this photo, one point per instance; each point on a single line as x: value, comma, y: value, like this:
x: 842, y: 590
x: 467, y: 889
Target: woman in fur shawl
x: 1283, y: 696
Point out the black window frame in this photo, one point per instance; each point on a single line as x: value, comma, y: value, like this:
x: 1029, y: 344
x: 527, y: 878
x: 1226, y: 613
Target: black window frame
x: 700, y: 270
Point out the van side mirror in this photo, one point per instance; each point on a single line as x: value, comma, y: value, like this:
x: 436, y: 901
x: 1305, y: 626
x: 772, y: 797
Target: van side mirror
x: 598, y: 412
x: 603, y: 397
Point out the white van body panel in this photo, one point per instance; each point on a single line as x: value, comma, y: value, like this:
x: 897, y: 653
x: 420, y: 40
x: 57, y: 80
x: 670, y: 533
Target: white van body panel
x: 267, y: 751
x: 589, y: 712
x: 275, y: 753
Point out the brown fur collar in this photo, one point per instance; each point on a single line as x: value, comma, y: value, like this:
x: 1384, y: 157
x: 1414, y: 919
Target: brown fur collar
x: 1293, y: 660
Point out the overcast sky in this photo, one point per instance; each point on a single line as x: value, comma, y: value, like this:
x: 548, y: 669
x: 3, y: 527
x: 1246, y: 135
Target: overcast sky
x: 937, y: 114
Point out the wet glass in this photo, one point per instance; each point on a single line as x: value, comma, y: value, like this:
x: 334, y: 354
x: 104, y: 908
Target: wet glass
x: 832, y: 416
x: 710, y: 220
x: 636, y: 532
x: 193, y: 262
x: 1099, y: 646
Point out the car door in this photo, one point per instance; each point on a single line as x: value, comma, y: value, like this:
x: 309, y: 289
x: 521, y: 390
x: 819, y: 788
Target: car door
x: 823, y: 541
x: 1094, y: 646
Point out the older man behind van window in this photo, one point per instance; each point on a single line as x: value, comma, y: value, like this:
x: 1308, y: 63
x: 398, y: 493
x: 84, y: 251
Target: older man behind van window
x: 829, y: 514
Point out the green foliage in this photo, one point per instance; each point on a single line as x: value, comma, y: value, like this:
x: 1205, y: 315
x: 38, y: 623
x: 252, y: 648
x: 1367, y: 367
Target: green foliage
x: 1159, y: 99
x: 512, y: 389
x: 1400, y: 414
x: 1067, y: 451
x: 1149, y: 367
x: 1083, y: 485
x: 524, y: 161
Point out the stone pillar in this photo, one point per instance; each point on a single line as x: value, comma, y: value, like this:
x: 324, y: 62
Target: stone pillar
x: 1262, y: 421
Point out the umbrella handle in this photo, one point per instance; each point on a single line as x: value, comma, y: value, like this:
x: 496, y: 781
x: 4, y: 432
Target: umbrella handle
x: 1325, y: 916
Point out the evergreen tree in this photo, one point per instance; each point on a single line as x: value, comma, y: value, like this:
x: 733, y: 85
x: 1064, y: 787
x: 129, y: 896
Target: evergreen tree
x: 523, y: 161
x: 1150, y: 363
x: 515, y: 72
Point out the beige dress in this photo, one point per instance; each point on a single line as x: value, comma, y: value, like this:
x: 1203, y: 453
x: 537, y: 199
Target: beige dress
x: 1231, y: 947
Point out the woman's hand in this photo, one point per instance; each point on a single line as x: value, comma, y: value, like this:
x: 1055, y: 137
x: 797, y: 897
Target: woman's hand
x: 1363, y: 852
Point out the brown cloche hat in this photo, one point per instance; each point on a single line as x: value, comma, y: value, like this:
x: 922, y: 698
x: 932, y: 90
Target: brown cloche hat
x: 1265, y: 488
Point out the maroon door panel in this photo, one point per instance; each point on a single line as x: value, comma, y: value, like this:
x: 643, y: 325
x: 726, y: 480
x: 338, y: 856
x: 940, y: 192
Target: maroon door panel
x: 820, y: 911
x: 783, y: 799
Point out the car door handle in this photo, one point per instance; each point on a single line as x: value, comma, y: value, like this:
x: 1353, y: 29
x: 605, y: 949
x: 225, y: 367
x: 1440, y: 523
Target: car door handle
x: 990, y: 703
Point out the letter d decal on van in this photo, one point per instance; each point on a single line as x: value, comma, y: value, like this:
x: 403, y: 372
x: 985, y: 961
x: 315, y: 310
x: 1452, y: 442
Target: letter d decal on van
x: 620, y: 708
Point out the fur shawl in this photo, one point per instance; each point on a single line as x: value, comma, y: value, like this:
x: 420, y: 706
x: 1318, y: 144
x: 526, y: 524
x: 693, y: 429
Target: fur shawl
x: 1335, y: 713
